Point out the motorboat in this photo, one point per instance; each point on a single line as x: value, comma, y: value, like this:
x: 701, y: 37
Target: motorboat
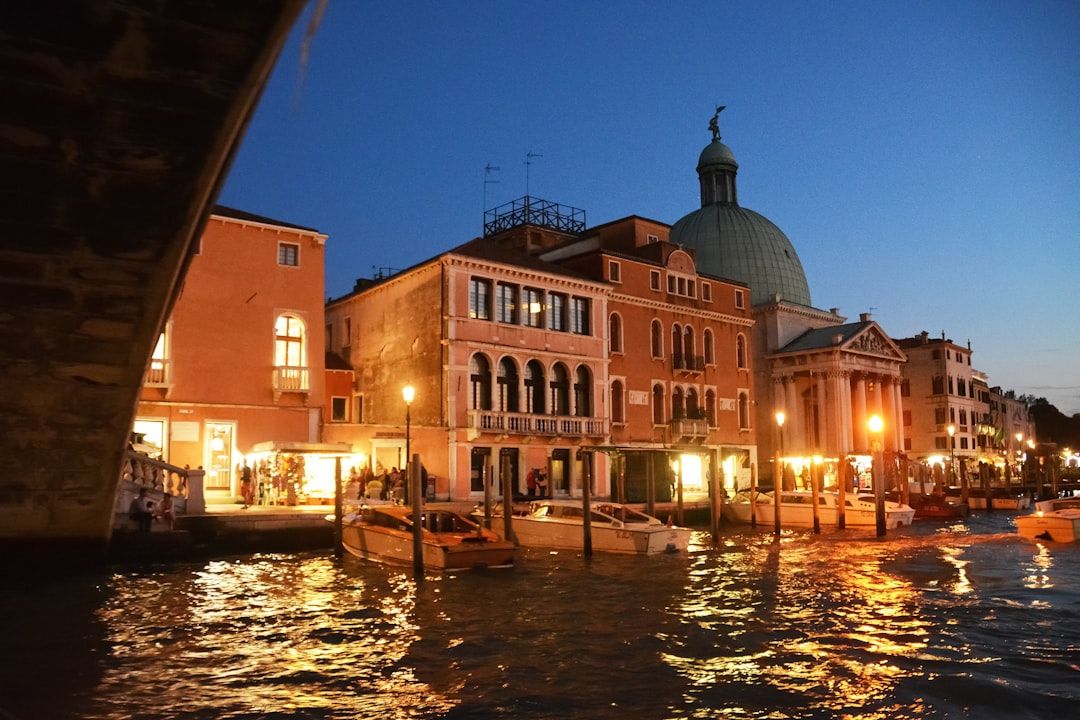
x: 938, y: 506
x: 1058, y: 522
x: 383, y: 532
x: 797, y: 509
x: 614, y: 527
x: 999, y: 499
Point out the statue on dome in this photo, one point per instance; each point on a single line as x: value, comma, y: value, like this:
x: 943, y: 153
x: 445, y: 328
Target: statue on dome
x: 714, y: 124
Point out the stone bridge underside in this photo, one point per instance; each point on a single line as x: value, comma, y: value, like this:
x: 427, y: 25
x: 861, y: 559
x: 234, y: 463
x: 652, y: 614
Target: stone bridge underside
x: 119, y: 121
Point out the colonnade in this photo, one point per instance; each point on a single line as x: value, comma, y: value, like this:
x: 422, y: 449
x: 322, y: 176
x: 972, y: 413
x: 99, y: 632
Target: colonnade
x: 826, y: 411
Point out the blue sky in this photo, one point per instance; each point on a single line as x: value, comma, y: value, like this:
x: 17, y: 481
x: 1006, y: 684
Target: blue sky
x: 923, y: 157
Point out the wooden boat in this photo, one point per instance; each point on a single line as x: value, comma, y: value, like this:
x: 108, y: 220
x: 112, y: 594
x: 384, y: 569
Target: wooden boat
x: 614, y: 528
x: 1058, y: 503
x: 1000, y: 499
x: 937, y: 506
x: 451, y: 541
x: 1060, y: 525
x: 797, y: 509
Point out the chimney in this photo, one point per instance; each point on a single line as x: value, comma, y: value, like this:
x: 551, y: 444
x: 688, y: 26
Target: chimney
x: 864, y: 317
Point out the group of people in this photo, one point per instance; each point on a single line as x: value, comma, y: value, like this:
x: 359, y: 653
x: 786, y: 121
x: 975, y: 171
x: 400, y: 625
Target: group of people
x: 536, y: 482
x: 388, y: 485
x: 143, y: 513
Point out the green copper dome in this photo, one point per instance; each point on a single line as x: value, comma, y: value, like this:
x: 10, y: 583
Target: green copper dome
x: 737, y: 243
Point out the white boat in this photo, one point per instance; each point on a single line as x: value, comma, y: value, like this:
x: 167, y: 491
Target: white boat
x: 450, y: 541
x: 1057, y: 525
x: 614, y: 528
x: 1058, y: 503
x: 797, y: 509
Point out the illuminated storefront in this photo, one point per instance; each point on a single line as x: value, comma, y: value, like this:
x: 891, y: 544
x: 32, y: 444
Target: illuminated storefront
x: 293, y: 473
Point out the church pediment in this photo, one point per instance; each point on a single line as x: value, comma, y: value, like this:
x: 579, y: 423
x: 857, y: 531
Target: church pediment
x: 872, y: 341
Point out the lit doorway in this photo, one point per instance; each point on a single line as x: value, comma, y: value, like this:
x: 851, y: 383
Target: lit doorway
x: 219, y: 450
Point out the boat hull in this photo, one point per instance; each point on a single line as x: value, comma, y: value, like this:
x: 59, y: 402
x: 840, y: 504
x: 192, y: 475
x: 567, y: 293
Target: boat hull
x: 797, y: 510
x: 442, y: 551
x: 565, y: 535
x: 1061, y: 526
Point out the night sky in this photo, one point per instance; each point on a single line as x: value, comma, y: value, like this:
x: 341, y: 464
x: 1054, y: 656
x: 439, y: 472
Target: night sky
x: 923, y: 157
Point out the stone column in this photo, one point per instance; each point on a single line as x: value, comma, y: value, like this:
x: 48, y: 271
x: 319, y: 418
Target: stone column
x: 845, y: 410
x: 858, y: 419
x: 824, y: 438
x: 888, y: 438
x: 898, y: 405
x: 794, y: 435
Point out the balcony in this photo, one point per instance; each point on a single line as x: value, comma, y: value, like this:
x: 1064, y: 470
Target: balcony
x: 688, y: 364
x: 290, y: 379
x: 511, y: 423
x: 688, y: 430
x: 159, y: 374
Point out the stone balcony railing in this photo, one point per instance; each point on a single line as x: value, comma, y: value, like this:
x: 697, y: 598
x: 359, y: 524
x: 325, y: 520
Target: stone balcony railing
x: 158, y: 477
x: 510, y: 423
x: 690, y: 429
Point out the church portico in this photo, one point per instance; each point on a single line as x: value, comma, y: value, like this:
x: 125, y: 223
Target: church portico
x: 828, y: 382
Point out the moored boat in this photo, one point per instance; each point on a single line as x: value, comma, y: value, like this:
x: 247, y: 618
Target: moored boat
x: 1000, y: 499
x: 1061, y: 525
x: 450, y: 540
x: 938, y: 507
x: 797, y: 509
x: 614, y: 528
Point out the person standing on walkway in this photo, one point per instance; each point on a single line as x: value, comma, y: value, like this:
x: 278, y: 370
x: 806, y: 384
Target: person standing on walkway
x: 245, y: 485
x: 139, y: 511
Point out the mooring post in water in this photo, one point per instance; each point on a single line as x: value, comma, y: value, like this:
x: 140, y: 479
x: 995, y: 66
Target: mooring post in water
x: 338, y: 507
x: 418, y: 517
x: 753, y: 494
x: 716, y: 484
x: 485, y: 475
x: 778, y: 475
x: 586, y: 501
x: 508, y: 498
x: 877, y: 471
x: 847, y: 476
x: 816, y: 471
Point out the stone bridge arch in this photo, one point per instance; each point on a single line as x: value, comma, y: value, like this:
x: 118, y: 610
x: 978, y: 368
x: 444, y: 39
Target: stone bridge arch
x: 120, y: 119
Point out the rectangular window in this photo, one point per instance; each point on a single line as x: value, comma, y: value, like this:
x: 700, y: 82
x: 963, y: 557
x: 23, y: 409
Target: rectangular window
x: 480, y: 299
x: 614, y: 271
x: 556, y: 311
x: 939, y: 415
x: 706, y: 292
x: 532, y: 307
x: 288, y: 254
x: 654, y: 279
x: 671, y: 284
x: 579, y: 316
x: 650, y: 239
x: 358, y: 404
x: 339, y: 409
x: 506, y: 303
x: 907, y: 418
x: 740, y: 301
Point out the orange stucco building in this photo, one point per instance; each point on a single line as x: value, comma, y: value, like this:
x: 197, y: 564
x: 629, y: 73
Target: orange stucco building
x: 506, y: 355
x: 238, y: 373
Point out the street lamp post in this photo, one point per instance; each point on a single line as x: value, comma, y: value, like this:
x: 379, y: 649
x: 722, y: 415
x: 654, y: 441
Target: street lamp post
x: 877, y: 474
x: 778, y: 484
x: 412, y: 485
x: 1020, y: 455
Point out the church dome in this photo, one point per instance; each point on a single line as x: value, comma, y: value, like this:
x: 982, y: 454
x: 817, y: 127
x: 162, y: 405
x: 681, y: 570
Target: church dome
x: 737, y: 243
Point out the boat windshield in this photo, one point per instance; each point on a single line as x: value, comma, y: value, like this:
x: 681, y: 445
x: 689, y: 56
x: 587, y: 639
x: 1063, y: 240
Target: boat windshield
x: 626, y: 515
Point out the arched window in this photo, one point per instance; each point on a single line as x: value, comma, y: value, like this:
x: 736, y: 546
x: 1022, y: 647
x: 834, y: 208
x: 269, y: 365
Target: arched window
x: 710, y: 408
x: 678, y: 408
x: 615, y: 333
x: 692, y: 404
x: 560, y: 390
x: 479, y: 383
x: 740, y: 352
x: 582, y: 394
x: 657, y: 339
x: 658, y: 404
x: 508, y: 386
x: 290, y: 354
x: 617, y: 413
x: 744, y: 411
x: 707, y: 348
x: 676, y: 346
x: 688, y: 348
x: 534, y: 388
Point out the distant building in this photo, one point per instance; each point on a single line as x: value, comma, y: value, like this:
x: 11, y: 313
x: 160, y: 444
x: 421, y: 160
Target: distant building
x: 826, y: 376
x: 941, y: 393
x: 238, y: 373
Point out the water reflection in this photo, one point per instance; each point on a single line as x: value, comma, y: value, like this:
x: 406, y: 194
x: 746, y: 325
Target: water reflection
x: 923, y: 624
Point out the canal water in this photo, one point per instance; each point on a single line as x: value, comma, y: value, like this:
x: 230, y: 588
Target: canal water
x: 941, y: 620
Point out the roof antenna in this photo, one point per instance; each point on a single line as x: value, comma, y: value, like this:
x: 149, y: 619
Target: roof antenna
x: 528, y: 161
x: 488, y: 169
